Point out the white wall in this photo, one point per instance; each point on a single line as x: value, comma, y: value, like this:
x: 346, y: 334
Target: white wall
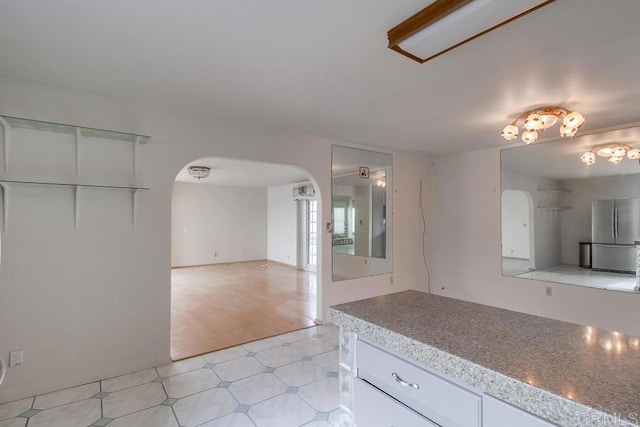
x: 465, y: 254
x: 576, y: 222
x: 282, y: 225
x: 213, y: 224
x: 95, y: 303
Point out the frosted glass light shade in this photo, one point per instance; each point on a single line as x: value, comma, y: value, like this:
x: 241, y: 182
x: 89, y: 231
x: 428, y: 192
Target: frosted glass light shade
x: 633, y: 154
x: 445, y: 24
x: 573, y: 120
x: 533, y: 122
x: 567, y: 132
x: 615, y: 160
x: 510, y: 132
x: 618, y: 152
x: 548, y: 120
x: 529, y: 136
x: 605, y: 152
x: 588, y: 158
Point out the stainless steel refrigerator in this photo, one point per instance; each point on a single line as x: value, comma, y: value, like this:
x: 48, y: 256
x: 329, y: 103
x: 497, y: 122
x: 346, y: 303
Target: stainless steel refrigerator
x: 615, y: 227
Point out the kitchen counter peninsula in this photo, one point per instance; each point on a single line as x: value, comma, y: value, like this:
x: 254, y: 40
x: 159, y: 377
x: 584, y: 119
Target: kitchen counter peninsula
x: 563, y: 373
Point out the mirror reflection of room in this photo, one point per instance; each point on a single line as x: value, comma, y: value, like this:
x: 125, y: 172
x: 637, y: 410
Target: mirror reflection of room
x: 570, y: 217
x: 360, y: 228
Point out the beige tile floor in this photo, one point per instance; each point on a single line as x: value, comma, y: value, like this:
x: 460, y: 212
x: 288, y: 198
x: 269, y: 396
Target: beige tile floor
x: 286, y: 381
x: 223, y: 305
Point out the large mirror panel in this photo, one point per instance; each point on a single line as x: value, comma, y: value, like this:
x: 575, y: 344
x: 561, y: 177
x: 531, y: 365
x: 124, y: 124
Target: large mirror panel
x: 565, y: 221
x: 361, y: 213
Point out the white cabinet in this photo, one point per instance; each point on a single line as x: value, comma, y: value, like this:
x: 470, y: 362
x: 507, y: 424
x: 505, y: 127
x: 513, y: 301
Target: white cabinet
x: 429, y: 394
x: 390, y: 391
x: 376, y: 409
x: 496, y: 413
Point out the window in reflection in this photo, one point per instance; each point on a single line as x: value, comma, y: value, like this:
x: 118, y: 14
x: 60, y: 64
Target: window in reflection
x: 360, y: 206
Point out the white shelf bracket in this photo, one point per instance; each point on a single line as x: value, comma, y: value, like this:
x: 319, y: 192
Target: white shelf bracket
x: 6, y: 136
x: 135, y: 159
x: 133, y: 208
x: 76, y: 199
x: 78, y: 139
x: 5, y: 205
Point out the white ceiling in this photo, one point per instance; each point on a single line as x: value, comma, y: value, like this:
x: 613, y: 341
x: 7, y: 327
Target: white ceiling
x: 322, y: 67
x: 242, y: 173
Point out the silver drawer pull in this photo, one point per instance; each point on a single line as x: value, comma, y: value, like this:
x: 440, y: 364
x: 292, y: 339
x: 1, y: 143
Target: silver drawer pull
x: 403, y: 382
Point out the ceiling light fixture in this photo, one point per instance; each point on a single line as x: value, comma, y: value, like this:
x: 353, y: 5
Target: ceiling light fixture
x: 199, y: 172
x: 536, y: 121
x: 447, y: 24
x: 614, y: 152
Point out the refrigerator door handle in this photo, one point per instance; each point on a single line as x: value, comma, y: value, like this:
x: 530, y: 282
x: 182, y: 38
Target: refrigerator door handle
x: 613, y: 221
x: 615, y: 218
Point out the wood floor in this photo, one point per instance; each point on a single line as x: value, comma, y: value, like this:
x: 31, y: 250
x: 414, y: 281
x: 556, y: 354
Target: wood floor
x: 223, y: 305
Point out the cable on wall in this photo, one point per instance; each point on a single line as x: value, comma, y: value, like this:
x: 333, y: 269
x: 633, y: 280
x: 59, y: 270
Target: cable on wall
x: 424, y: 241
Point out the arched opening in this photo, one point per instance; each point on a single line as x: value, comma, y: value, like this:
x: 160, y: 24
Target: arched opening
x: 518, y: 246
x: 244, y: 254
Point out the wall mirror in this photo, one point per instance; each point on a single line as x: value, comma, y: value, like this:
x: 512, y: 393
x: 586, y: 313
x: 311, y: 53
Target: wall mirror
x: 361, y: 224
x: 569, y: 222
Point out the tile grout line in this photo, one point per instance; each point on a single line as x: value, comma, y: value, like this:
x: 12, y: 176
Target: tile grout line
x: 304, y: 355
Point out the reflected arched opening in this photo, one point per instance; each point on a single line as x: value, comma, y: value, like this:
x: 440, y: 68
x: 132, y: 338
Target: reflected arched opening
x: 518, y: 246
x: 244, y: 254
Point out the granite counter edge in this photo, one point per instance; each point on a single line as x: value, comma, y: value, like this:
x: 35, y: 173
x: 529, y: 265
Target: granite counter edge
x: 541, y: 403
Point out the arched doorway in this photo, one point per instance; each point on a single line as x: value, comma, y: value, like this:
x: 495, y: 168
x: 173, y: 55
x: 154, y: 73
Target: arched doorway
x: 241, y: 240
x: 518, y: 254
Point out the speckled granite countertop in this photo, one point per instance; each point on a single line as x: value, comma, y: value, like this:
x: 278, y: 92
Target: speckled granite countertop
x: 563, y: 372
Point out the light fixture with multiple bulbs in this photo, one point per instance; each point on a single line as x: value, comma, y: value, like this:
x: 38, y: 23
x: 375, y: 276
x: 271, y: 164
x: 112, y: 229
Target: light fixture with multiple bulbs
x: 199, y: 172
x: 614, y: 152
x: 381, y: 182
x: 536, y: 121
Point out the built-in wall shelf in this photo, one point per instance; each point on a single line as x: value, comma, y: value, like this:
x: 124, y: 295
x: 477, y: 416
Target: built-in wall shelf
x: 553, y: 191
x: 65, y: 184
x: 79, y: 134
x: 554, y: 208
x: 17, y: 122
x: 550, y: 199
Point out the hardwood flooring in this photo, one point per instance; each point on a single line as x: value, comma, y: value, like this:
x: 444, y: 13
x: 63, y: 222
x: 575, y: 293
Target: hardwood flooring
x: 224, y: 305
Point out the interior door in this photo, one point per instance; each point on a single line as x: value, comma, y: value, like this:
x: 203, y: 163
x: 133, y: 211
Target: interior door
x: 602, y: 226
x: 627, y: 221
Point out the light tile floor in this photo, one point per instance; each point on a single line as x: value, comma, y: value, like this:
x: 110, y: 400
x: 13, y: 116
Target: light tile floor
x: 575, y: 275
x: 286, y: 381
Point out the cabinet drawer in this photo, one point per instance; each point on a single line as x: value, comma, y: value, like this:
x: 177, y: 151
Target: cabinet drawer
x: 496, y: 413
x: 374, y: 408
x: 428, y: 394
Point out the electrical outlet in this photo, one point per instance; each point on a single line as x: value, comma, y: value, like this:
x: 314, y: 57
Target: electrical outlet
x: 366, y: 261
x: 215, y: 254
x: 15, y: 358
x: 391, y: 280
x: 548, y: 291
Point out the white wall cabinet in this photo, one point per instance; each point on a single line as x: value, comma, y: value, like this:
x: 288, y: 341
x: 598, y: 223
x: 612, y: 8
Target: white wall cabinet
x: 390, y: 391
